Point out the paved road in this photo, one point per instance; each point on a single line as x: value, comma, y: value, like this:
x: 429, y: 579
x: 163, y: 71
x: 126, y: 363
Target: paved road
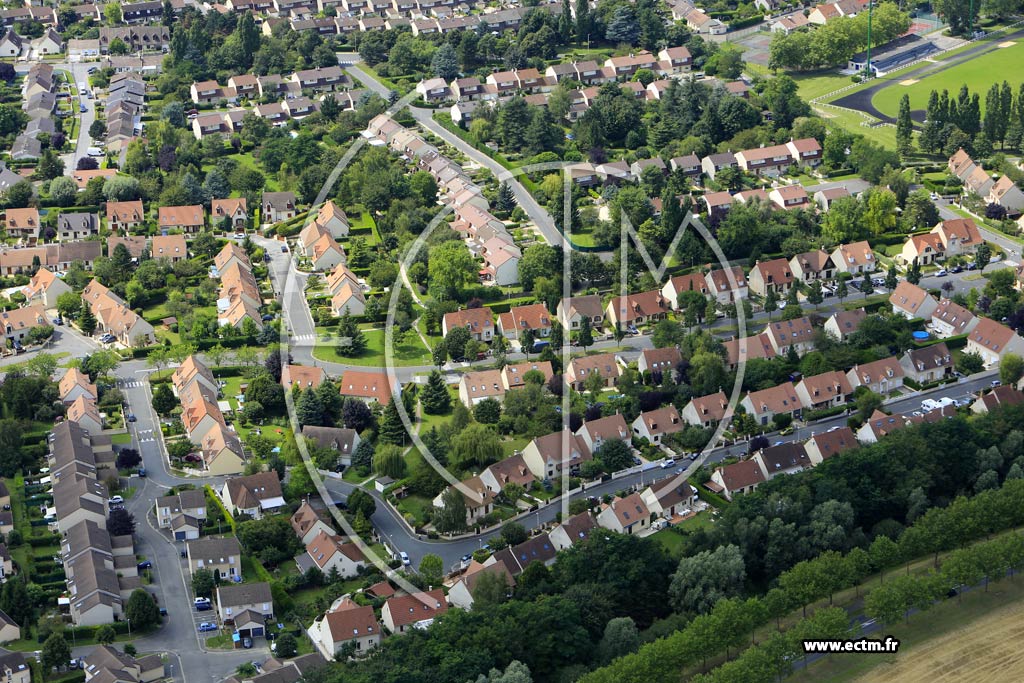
x: 424, y: 117
x: 80, y: 72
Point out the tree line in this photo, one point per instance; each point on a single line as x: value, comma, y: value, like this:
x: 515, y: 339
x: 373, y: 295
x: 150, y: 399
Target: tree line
x: 957, y: 121
x: 836, y: 42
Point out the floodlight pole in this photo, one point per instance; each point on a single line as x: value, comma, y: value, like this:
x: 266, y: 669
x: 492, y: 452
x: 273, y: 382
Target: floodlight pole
x: 868, y: 67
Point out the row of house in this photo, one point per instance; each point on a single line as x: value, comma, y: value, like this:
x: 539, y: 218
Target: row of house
x: 101, y: 569
x: 486, y: 236
x: 318, y: 80
x: 781, y: 275
x: 220, y: 449
x: 124, y: 106
x: 955, y: 237
x: 276, y: 113
x: 239, y: 299
x: 318, y: 241
x: 124, y: 217
x: 1002, y: 192
x: 667, y: 62
x: 39, y: 99
x: 115, y: 318
x: 469, y: 94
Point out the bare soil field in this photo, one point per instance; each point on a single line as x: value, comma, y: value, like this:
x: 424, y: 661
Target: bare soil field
x: 989, y: 650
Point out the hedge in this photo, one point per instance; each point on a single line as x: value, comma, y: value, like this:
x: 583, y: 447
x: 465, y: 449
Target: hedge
x: 744, y: 23
x: 506, y: 306
x: 43, y: 541
x: 812, y: 415
x: 713, y: 498
x: 212, y: 497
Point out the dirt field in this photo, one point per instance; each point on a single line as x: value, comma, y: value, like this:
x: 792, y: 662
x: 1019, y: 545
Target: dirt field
x: 988, y: 651
x: 1008, y: 43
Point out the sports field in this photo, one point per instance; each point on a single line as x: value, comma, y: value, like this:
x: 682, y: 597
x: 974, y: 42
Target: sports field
x: 987, y: 649
x: 1002, y: 63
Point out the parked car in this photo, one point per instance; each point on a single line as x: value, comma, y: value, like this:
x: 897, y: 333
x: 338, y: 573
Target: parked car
x: 117, y: 500
x: 142, y: 472
x: 942, y: 273
x: 163, y: 611
x: 405, y: 558
x: 202, y: 604
x: 247, y: 643
x: 146, y: 564
x: 667, y: 464
x: 284, y: 248
x: 131, y: 417
x: 58, y: 320
x: 207, y: 626
x: 239, y: 235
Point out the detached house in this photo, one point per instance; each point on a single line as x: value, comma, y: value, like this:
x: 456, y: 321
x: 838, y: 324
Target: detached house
x: 764, y: 405
x: 188, y: 219
x: 911, y: 301
x: 826, y: 390
x: 842, y: 324
x: 402, y: 613
x: 706, y: 411
x: 855, y: 258
x: 595, y: 433
x: 44, y: 288
x: 328, y: 552
x: 992, y: 341
x: 125, y: 216
x: 775, y: 275
x: 521, y: 318
x: 825, y: 445
x: 637, y: 309
x: 253, y: 495
x: 813, y: 265
x: 571, y: 312
x: 927, y: 365
x: 950, y: 318
x: 735, y: 479
x: 959, y: 236
x: 277, y: 207
x: 627, y: 515
x: 882, y: 376
x: 547, y: 456
x: 479, y: 322
x: 348, y: 623
x: 604, y: 364
x: 797, y: 334
x: 654, y: 424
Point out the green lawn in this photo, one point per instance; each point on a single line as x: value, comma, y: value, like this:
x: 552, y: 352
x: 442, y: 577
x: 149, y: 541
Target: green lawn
x: 978, y: 74
x: 409, y: 352
x: 849, y: 120
x: 121, y: 439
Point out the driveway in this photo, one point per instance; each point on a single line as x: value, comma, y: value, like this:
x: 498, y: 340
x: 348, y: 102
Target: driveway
x: 80, y: 74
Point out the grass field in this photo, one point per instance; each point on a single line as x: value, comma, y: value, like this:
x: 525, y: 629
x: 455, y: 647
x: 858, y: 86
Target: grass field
x: 974, y: 640
x: 409, y: 352
x: 978, y: 74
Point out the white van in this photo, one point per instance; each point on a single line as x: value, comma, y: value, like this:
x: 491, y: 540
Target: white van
x: 94, y: 152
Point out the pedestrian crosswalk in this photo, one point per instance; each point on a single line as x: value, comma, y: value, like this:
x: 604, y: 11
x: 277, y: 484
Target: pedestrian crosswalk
x: 303, y: 338
x: 130, y: 384
x: 146, y: 435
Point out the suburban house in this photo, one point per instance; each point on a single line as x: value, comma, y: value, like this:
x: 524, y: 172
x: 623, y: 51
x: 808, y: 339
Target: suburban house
x: 573, y: 530
x: 813, y: 265
x: 959, y: 236
x: 928, y: 364
x: 10, y: 668
x: 827, y: 390
x: 637, y: 309
x: 654, y: 424
x: 855, y: 258
x: 881, y: 376
x: 339, y: 439
x: 521, y: 318
x: 221, y: 556
x: 797, y: 334
x: 705, y: 411
x: 571, y: 312
x: 548, y: 455
x: 233, y: 599
x: 366, y: 385
x: 124, y: 216
x: 188, y: 219
x: 829, y: 443
x: 172, y: 247
x: 950, y: 319
x: 764, y: 405
x: 327, y: 552
x: 694, y: 282
x: 479, y: 322
x: 627, y: 515
x: 737, y: 478
x: 417, y: 610
x: 478, y: 499
x: 911, y: 301
x: 1006, y: 194
x: 604, y: 364
x: 232, y: 210
x: 596, y: 432
x: 18, y: 322
x: 307, y: 523
x: 75, y: 384
x: 461, y: 592
x: 189, y: 502
x: 659, y: 361
x: 790, y: 197
x: 76, y: 226
x: 669, y: 498
x: 278, y: 206
x: 343, y: 624
x: 512, y: 470
x: 775, y: 275
x: 992, y: 341
x: 253, y: 494
x: 922, y: 249
x: 842, y: 324
x: 106, y: 663
x: 748, y: 348
x: 1004, y: 395
x: 44, y: 288
x: 784, y: 458
x: 726, y: 291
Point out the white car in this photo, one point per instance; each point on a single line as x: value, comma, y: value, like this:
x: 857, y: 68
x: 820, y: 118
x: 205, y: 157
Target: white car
x: 405, y: 558
x: 116, y: 500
